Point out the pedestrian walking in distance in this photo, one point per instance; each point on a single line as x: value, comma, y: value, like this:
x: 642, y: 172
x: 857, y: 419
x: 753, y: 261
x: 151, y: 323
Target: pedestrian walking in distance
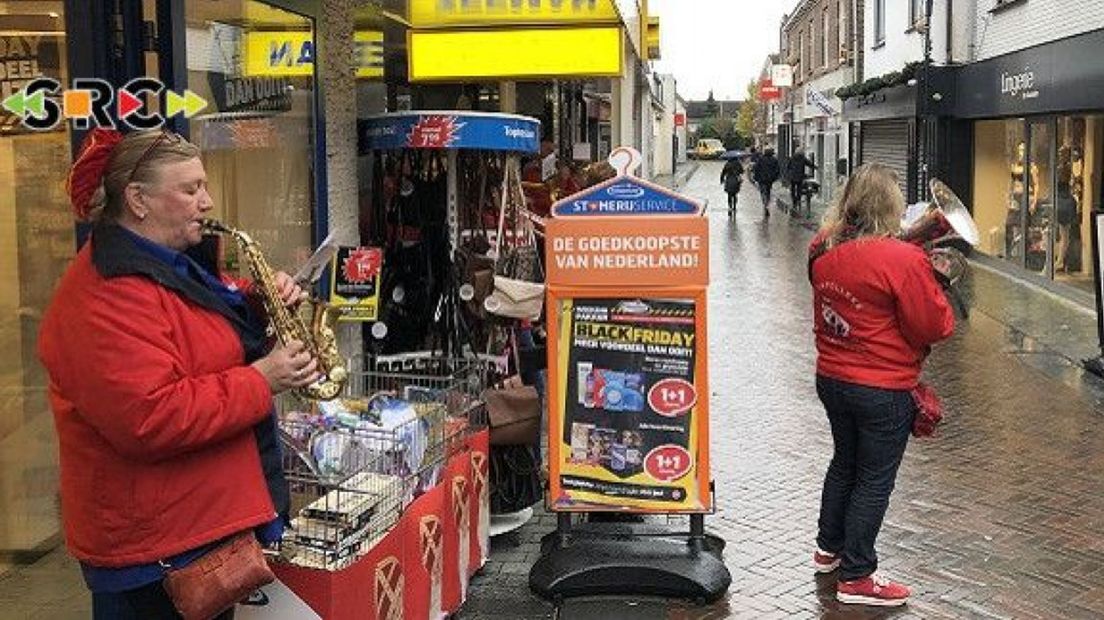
x: 732, y: 177
x: 752, y: 161
x: 877, y: 310
x: 765, y: 174
x: 796, y: 169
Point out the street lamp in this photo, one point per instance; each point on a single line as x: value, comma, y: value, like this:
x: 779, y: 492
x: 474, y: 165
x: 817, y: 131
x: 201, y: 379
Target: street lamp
x: 925, y: 88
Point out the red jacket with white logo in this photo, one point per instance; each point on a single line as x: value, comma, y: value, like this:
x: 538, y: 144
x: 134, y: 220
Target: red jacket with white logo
x: 877, y: 310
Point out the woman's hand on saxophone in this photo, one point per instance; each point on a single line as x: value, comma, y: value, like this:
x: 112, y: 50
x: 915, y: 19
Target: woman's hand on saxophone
x: 288, y: 366
x: 290, y: 291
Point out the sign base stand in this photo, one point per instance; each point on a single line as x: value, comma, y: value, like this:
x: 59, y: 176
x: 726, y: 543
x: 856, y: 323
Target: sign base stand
x: 508, y: 522
x: 594, y: 559
x: 1095, y: 365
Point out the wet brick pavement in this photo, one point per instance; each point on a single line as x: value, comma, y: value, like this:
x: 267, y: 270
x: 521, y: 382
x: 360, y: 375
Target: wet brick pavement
x: 1002, y: 516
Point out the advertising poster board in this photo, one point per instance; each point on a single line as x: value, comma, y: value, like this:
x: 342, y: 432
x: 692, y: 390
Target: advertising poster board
x: 631, y: 399
x: 355, y: 283
x: 628, y: 392
x: 628, y: 268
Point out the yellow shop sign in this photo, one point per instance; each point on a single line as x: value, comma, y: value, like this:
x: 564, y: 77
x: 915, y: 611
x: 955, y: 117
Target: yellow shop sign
x: 519, y: 53
x: 446, y: 13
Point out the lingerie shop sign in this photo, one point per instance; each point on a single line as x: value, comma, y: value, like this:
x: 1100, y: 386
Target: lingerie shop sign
x: 1019, y: 85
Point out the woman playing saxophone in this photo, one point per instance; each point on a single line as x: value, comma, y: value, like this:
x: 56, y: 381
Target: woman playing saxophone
x: 161, y: 379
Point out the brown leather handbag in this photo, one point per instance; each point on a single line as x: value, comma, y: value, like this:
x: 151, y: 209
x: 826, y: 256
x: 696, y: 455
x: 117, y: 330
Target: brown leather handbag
x: 513, y: 411
x: 218, y: 580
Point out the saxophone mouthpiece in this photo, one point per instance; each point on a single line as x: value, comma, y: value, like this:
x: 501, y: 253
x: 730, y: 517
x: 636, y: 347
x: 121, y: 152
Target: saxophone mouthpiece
x: 212, y: 226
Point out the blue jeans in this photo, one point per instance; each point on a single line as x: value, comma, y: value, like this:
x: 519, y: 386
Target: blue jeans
x: 870, y: 429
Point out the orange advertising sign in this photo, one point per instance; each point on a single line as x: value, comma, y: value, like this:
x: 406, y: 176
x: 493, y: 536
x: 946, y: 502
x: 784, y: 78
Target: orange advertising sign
x: 627, y: 267
x: 610, y: 251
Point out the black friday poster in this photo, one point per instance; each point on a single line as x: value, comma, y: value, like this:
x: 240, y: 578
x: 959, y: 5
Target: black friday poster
x: 627, y: 392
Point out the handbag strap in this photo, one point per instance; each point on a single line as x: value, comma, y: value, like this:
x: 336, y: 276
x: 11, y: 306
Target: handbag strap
x: 500, y: 240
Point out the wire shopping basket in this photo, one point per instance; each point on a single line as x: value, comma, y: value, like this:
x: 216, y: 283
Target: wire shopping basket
x: 355, y: 463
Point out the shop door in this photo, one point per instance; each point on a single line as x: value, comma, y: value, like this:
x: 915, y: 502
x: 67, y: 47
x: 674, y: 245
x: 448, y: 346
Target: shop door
x: 887, y: 143
x: 254, y: 63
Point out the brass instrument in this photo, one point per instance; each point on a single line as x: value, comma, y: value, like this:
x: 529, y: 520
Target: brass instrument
x: 320, y: 339
x: 945, y: 217
x: 934, y: 228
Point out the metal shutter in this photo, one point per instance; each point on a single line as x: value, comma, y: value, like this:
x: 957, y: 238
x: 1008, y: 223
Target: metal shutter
x: 887, y: 143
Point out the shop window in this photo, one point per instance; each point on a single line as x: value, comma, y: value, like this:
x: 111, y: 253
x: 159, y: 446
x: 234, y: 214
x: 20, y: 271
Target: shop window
x: 1035, y: 186
x: 36, y: 244
x: 1077, y: 173
x: 254, y: 64
x: 999, y: 186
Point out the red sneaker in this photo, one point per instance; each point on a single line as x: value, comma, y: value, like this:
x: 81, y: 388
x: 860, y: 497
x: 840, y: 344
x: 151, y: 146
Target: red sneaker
x: 872, y: 590
x: 824, y: 562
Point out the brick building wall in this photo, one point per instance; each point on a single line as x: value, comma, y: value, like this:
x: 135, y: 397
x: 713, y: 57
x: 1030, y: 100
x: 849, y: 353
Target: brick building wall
x: 813, y: 49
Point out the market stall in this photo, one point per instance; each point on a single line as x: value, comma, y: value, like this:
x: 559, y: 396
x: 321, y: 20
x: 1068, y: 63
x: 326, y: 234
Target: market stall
x: 394, y: 482
x: 444, y: 196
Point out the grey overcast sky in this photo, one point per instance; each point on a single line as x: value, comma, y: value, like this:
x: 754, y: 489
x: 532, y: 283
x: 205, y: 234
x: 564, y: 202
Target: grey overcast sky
x: 717, y: 44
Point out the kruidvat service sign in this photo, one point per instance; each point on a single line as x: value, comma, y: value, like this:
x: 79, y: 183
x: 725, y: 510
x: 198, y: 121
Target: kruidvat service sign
x: 626, y: 195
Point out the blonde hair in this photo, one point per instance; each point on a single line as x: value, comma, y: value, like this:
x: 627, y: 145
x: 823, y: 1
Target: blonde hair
x: 871, y: 205
x: 136, y: 149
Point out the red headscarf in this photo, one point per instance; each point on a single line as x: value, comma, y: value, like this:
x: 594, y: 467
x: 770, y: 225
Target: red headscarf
x: 87, y: 172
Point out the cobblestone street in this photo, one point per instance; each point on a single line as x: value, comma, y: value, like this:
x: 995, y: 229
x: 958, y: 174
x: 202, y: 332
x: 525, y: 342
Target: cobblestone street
x: 1001, y: 516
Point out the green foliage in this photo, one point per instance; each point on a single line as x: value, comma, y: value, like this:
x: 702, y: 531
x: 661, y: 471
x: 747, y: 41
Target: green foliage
x: 749, y: 114
x: 874, y: 84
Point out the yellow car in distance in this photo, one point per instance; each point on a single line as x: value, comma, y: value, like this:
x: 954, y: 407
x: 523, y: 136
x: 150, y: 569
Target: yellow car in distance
x: 709, y: 148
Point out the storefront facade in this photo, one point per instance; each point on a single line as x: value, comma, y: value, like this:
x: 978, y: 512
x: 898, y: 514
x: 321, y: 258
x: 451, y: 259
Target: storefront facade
x: 825, y: 134
x: 1037, y: 119
x: 263, y: 142
x: 882, y: 128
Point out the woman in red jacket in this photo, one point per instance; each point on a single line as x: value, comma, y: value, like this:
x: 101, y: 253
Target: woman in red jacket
x: 877, y: 310
x: 160, y: 379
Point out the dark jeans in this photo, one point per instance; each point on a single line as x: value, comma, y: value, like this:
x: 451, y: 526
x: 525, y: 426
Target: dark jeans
x: 146, y: 603
x: 765, y: 193
x: 870, y: 428
x: 733, y: 197
x: 796, y: 192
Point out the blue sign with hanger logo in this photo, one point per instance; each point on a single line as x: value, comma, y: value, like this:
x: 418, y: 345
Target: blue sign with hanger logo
x: 626, y: 195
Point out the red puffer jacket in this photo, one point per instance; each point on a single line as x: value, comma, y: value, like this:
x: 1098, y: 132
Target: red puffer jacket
x: 154, y: 412
x: 877, y: 310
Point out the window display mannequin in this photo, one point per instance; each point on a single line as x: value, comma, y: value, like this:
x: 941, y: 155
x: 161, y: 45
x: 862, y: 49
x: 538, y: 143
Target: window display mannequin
x: 1013, y: 228
x: 1065, y: 209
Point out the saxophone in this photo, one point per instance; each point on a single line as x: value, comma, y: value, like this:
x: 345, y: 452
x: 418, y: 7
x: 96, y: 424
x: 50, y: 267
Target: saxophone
x: 286, y: 325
